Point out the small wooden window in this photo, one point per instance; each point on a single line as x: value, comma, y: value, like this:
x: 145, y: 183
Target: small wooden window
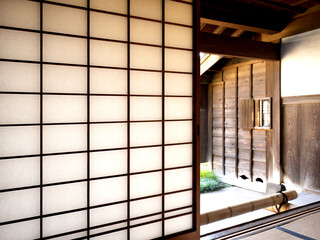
x: 262, y: 113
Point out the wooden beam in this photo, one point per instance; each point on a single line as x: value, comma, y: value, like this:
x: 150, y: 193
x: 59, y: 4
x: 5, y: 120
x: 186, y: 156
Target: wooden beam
x: 299, y: 25
x: 239, y: 26
x: 241, y: 15
x: 237, y: 33
x: 219, y: 30
x: 238, y: 47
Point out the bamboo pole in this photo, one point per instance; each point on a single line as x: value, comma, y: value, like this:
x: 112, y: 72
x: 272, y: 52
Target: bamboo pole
x: 246, y: 207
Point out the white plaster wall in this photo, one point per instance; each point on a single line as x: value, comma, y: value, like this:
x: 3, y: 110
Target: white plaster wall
x: 300, y: 64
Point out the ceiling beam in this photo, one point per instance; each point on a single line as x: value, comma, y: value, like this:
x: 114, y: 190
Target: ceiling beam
x: 247, y: 27
x: 219, y: 30
x: 298, y: 25
x: 238, y: 47
x: 237, y: 33
x: 230, y: 14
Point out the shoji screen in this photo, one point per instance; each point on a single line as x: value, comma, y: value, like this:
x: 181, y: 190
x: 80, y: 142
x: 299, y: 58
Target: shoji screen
x: 96, y: 119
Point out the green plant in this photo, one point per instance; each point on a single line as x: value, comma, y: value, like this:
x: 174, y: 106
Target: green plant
x: 208, y: 174
x: 209, y: 181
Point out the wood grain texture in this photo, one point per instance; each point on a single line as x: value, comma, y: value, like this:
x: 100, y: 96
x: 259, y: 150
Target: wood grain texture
x: 274, y: 148
x: 301, y: 145
x: 239, y: 151
x: 301, y: 99
x: 246, y: 113
x: 203, y: 124
x: 209, y: 122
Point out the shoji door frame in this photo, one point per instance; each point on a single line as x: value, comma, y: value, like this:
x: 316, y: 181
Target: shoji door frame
x: 193, y: 233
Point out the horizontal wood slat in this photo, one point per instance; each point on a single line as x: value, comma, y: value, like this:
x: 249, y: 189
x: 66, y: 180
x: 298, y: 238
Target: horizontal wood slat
x: 306, y: 99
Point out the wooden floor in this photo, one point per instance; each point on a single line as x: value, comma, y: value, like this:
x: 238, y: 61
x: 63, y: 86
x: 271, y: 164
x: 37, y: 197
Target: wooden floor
x: 235, y: 195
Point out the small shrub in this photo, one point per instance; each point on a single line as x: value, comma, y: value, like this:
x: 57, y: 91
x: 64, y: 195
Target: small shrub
x: 210, y: 182
x: 208, y: 174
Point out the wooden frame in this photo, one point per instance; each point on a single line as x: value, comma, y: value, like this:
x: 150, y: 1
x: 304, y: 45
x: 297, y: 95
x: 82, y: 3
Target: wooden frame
x: 259, y: 109
x: 193, y: 233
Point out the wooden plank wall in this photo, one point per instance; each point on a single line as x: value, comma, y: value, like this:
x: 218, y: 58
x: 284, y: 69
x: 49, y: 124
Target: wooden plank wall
x: 301, y: 141
x: 245, y: 135
x: 217, y: 124
x: 259, y: 159
x: 230, y: 121
x: 236, y: 152
x: 203, y: 124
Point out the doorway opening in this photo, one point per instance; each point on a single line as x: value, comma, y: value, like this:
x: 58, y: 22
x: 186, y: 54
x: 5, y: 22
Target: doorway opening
x: 240, y: 142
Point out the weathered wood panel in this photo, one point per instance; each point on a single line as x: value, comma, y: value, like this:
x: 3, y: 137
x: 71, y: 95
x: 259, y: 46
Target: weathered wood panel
x: 259, y: 156
x: 217, y: 112
x: 230, y: 142
x: 229, y: 152
x: 230, y: 103
x: 218, y: 168
x: 259, y: 134
x: 204, y: 124
x: 230, y: 92
x: 209, y: 123
x: 230, y: 171
x: 244, y: 81
x: 217, y: 141
x: 217, y: 150
x: 239, y: 152
x: 244, y: 164
x: 259, y: 85
x: 217, y: 131
x: 230, y: 132
x: 244, y: 154
x: 229, y: 122
x: 217, y: 77
x: 259, y: 88
x: 246, y: 113
x: 301, y: 145
x: 230, y: 74
x: 243, y: 133
x: 217, y: 103
x: 230, y: 162
x: 259, y: 167
x: 230, y: 83
x: 217, y: 122
x: 274, y: 143
x: 244, y: 143
x: 230, y: 112
x: 259, y: 144
x: 218, y: 159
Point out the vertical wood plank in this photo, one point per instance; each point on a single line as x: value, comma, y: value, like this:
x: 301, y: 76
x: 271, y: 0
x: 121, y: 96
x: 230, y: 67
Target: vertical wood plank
x: 250, y: 144
x: 236, y: 124
x: 210, y: 118
x: 223, y: 128
x: 274, y: 161
x: 301, y: 149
